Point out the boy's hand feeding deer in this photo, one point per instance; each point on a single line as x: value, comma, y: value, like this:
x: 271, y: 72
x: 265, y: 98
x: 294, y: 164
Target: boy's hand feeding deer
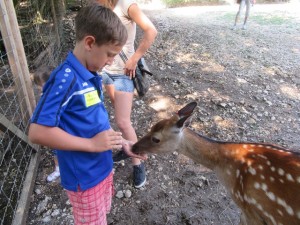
x: 262, y: 179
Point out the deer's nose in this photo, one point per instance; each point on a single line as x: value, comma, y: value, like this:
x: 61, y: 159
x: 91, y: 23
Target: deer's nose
x: 135, y: 149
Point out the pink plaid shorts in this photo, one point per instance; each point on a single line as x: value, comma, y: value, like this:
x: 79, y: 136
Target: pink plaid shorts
x: 91, y: 206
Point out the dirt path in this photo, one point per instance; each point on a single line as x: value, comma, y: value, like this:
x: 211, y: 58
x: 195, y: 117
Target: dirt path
x: 247, y: 86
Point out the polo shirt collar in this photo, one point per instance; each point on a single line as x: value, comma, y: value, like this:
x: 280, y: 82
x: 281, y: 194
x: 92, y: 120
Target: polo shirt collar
x: 80, y: 69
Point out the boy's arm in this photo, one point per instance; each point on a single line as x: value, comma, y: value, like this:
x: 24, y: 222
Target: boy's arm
x: 57, y: 138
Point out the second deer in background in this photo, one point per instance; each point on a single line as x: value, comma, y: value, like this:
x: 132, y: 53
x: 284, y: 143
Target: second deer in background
x: 262, y: 179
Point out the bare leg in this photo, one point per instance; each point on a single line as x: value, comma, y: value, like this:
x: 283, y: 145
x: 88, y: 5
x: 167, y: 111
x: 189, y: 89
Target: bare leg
x: 238, y: 15
x: 123, y: 107
x: 110, y: 89
x: 248, y: 4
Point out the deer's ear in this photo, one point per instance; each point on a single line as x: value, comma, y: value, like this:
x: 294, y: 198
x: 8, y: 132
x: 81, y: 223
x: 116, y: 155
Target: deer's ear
x: 187, y: 110
x: 184, y: 121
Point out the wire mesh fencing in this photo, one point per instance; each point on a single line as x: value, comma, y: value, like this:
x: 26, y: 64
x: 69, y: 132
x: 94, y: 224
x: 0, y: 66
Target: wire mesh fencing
x: 40, y: 26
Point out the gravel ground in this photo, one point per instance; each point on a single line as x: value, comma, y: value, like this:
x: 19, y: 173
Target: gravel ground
x: 246, y: 83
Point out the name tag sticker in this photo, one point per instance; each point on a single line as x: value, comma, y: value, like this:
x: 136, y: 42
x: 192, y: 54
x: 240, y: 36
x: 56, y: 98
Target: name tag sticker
x: 91, y: 98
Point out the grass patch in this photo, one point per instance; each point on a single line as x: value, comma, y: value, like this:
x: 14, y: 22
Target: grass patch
x: 268, y: 19
x: 261, y: 19
x: 228, y: 16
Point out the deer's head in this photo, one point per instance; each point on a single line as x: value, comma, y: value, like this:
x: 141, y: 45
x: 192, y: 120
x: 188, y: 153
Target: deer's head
x: 165, y: 135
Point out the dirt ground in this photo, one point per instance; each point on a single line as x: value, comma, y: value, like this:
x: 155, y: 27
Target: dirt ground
x: 246, y: 83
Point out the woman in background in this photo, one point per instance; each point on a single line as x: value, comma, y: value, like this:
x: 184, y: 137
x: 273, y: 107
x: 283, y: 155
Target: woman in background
x: 243, y: 3
x: 117, y: 77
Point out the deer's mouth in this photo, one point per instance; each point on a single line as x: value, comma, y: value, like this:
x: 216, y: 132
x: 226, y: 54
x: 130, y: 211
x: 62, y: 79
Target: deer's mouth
x: 139, y: 150
x: 135, y: 149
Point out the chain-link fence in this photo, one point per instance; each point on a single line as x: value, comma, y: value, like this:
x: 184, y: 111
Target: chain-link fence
x: 40, y: 26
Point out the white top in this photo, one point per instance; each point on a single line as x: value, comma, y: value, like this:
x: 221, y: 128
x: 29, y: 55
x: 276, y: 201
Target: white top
x: 121, y: 9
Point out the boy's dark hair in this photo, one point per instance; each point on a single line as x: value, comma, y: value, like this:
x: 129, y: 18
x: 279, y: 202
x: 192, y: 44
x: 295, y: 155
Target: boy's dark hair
x: 42, y: 74
x: 101, y: 23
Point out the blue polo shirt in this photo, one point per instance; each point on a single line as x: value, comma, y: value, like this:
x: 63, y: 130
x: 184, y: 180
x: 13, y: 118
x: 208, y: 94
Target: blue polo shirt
x: 72, y: 101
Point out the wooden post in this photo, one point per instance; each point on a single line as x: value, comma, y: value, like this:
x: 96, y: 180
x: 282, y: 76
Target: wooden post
x: 17, y: 59
x: 23, y: 88
x: 55, y: 22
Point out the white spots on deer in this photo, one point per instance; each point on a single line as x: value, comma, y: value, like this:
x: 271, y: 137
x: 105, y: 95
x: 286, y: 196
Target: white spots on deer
x: 281, y: 181
x: 280, y: 212
x: 288, y: 208
x: 249, y: 163
x: 252, y: 170
x: 268, y: 163
x: 289, y: 177
x: 259, y: 207
x: 298, y: 214
x: 273, y: 169
x: 271, y: 196
x: 237, y: 173
x: 228, y: 172
x: 280, y: 172
x: 239, y: 196
x: 250, y: 200
x: 264, y: 187
x: 270, y: 217
x: 298, y: 179
x: 272, y: 179
x: 262, y: 177
x: 262, y: 156
x: 256, y: 185
x: 260, y: 167
x: 241, y: 183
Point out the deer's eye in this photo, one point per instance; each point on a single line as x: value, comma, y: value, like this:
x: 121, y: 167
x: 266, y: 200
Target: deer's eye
x: 155, y: 140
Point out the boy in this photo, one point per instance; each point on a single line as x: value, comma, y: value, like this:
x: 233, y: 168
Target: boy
x: 71, y: 116
x: 40, y: 77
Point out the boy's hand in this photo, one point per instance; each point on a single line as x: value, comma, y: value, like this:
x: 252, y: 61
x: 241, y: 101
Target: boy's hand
x: 127, y: 145
x: 105, y: 140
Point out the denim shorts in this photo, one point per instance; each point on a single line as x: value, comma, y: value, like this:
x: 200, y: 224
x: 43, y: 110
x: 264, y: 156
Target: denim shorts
x: 121, y: 82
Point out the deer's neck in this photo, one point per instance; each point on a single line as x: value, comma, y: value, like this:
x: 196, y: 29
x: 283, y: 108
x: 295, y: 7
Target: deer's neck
x: 199, y: 148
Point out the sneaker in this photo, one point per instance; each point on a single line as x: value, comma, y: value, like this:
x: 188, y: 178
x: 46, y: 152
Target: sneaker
x: 54, y: 175
x: 139, y: 175
x: 120, y: 155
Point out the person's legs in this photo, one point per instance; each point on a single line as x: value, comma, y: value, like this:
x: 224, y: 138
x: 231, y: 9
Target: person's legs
x: 248, y: 5
x: 238, y: 15
x: 56, y: 173
x: 110, y: 89
x: 91, y: 206
x: 123, y: 99
x: 109, y: 86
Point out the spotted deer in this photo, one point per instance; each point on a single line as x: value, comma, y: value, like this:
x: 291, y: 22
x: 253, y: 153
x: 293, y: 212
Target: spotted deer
x: 262, y: 179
